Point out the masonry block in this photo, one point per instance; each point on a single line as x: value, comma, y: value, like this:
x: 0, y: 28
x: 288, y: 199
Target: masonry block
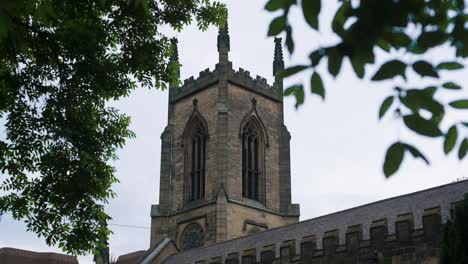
x: 404, y: 228
x: 378, y: 233
x: 232, y: 258
x: 432, y: 223
x: 249, y: 256
x: 353, y: 237
x: 330, y: 242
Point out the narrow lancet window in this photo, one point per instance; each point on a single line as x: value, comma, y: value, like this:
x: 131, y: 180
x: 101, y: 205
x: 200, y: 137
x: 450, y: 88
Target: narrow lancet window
x: 251, y: 160
x: 197, y: 161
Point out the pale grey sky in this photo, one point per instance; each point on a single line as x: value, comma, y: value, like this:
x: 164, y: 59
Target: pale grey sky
x: 337, y: 146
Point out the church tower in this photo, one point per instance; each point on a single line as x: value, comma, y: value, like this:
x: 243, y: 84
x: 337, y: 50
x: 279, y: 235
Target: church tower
x: 225, y: 162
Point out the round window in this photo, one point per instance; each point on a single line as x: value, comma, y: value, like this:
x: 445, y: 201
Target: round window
x: 193, y: 236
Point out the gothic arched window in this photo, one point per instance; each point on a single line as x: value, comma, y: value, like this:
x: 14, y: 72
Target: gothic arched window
x: 195, y: 163
x: 194, y: 142
x: 252, y: 156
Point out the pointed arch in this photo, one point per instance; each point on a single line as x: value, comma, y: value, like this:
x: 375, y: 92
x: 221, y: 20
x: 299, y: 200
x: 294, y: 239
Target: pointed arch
x: 254, y: 141
x: 252, y: 116
x: 194, y: 143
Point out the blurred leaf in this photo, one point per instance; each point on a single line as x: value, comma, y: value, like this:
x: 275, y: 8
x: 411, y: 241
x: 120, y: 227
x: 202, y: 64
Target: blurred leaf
x: 389, y: 70
x: 334, y: 61
x: 317, y: 85
x: 383, y: 44
x: 358, y: 66
x: 424, y: 68
x: 385, y: 106
x: 400, y: 39
x: 316, y: 56
x: 460, y: 104
x: 430, y: 90
x: 277, y: 25
x: 450, y: 139
x: 340, y: 18
x: 431, y: 39
x: 463, y: 148
x: 451, y: 85
x: 422, y: 126
x: 292, y: 70
x: 416, y: 99
x: 415, y: 152
x: 274, y: 5
x: 298, y: 92
x: 393, y: 159
x: 289, y: 39
x: 450, y: 66
x: 311, y: 11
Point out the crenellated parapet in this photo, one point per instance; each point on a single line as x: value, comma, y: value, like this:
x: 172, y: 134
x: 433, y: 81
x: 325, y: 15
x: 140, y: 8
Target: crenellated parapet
x: 241, y: 77
x: 205, y: 79
x: 410, y: 243
x: 407, y: 227
x: 224, y: 71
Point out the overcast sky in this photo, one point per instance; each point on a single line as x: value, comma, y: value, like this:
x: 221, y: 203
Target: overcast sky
x: 337, y: 146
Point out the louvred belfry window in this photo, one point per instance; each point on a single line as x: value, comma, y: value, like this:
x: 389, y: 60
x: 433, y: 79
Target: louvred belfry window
x: 251, y: 166
x: 197, y: 154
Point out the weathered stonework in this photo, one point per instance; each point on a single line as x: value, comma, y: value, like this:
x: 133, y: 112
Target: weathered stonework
x: 224, y: 99
x: 402, y: 230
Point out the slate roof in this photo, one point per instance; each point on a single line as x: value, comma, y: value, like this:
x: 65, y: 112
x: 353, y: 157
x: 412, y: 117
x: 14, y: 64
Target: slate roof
x: 415, y: 203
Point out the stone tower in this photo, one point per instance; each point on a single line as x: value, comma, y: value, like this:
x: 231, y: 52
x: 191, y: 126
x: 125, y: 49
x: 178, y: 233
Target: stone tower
x: 225, y: 162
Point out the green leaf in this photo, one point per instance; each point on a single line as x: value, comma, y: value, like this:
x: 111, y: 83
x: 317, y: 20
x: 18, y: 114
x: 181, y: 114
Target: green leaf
x: 289, y: 39
x: 451, y: 85
x: 317, y: 85
x: 431, y: 39
x: 416, y: 99
x: 389, y: 70
x: 384, y: 45
x: 298, y: 92
x: 274, y: 5
x: 399, y: 39
x: 311, y: 11
x: 463, y: 148
x: 393, y: 159
x: 292, y: 70
x: 453, y: 65
x: 460, y: 104
x: 340, y: 18
x: 334, y: 61
x: 358, y: 66
x: 422, y: 126
x: 430, y: 90
x: 385, y: 106
x: 424, y: 68
x: 277, y: 25
x: 450, y: 139
x: 415, y: 152
x: 316, y: 56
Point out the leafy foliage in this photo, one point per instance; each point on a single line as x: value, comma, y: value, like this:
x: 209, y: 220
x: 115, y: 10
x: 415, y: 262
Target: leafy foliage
x: 403, y: 29
x: 61, y: 62
x: 455, y: 240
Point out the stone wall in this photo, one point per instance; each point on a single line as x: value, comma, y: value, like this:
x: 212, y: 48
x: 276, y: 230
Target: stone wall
x: 224, y: 99
x: 243, y: 220
x: 401, y: 230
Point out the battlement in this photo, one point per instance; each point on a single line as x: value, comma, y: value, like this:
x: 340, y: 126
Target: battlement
x: 407, y: 227
x: 207, y: 78
x: 191, y: 85
x: 316, y: 248
x: 257, y: 84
